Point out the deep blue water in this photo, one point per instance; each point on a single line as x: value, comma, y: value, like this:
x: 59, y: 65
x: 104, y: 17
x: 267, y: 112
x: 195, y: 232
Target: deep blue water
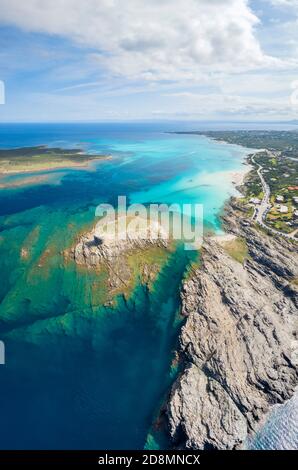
x: 78, y: 374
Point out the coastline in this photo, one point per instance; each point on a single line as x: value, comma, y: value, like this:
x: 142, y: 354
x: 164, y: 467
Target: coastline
x: 238, y: 179
x: 235, y: 339
x: 205, y: 395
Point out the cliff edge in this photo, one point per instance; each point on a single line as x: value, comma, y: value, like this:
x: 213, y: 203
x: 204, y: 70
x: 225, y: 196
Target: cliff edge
x: 239, y: 341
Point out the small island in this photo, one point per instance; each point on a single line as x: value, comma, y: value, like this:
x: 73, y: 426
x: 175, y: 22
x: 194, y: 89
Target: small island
x: 43, y: 158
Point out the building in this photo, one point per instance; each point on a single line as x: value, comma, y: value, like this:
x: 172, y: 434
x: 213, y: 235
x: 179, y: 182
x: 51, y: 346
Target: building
x: 283, y: 209
x: 255, y: 200
x: 295, y: 199
x: 279, y: 198
x: 295, y: 214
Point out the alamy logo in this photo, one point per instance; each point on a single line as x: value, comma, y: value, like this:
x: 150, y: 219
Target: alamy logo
x: 2, y: 353
x: 177, y: 221
x: 2, y: 92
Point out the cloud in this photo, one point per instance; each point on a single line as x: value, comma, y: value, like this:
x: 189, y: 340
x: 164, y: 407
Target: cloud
x: 284, y: 3
x: 150, y: 39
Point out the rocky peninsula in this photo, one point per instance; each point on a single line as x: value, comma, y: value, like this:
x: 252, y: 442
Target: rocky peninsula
x: 125, y: 248
x: 239, y: 343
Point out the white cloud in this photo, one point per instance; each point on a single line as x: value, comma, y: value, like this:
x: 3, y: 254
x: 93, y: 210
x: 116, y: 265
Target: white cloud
x: 150, y: 39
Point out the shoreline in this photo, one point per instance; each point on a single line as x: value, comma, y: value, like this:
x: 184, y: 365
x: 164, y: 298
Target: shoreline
x: 263, y: 431
x: 220, y: 288
x: 238, y: 179
x: 222, y: 302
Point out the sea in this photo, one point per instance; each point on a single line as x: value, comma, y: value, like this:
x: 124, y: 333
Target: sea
x: 79, y: 374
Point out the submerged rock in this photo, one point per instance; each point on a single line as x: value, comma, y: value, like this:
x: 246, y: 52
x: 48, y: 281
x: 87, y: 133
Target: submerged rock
x: 239, y: 340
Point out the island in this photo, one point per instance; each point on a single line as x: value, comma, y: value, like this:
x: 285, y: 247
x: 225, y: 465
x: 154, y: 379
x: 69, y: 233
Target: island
x: 43, y: 158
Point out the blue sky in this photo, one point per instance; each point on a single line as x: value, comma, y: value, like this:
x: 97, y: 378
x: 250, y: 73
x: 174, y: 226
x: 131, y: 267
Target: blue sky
x: 100, y: 60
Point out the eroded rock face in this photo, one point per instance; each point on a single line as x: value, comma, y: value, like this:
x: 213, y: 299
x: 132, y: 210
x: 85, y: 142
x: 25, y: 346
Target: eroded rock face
x: 98, y: 245
x: 238, y: 342
x: 101, y: 248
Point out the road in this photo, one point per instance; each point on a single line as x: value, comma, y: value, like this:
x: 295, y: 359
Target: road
x: 260, y: 212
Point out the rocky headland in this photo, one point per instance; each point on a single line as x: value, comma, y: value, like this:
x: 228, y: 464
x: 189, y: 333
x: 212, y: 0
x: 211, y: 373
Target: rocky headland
x: 112, y: 244
x: 239, y: 342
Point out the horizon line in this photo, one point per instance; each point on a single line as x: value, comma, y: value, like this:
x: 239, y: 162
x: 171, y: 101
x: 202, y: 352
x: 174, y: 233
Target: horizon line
x: 289, y: 121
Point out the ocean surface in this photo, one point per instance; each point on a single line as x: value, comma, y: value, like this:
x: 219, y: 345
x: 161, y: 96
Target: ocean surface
x: 79, y: 374
x: 280, y: 430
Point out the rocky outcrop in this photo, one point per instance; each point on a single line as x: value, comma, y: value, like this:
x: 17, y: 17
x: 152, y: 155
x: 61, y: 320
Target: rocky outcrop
x: 238, y: 342
x: 109, y: 240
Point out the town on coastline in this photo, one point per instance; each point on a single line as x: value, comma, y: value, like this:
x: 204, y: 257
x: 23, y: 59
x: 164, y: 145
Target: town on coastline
x: 271, y: 188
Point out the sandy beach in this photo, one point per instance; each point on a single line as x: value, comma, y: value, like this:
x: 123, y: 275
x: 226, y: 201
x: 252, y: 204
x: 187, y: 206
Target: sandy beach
x: 238, y: 177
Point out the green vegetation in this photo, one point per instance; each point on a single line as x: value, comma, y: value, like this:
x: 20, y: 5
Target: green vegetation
x: 279, y: 168
x: 33, y: 159
x: 253, y: 186
x: 282, y: 141
x: 193, y: 266
x: 237, y: 249
x: 282, y: 179
x: 144, y: 266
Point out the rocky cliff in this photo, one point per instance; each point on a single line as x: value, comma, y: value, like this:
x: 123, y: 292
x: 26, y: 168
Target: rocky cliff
x: 108, y: 245
x: 239, y: 340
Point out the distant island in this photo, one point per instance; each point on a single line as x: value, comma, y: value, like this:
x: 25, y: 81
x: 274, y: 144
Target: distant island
x: 43, y: 158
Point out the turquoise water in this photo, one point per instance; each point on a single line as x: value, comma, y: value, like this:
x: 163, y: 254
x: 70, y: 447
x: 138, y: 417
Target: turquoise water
x: 78, y: 373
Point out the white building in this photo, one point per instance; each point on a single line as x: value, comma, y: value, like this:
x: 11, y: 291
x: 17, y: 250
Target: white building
x: 255, y: 200
x: 283, y: 209
x: 279, y: 198
x: 295, y: 199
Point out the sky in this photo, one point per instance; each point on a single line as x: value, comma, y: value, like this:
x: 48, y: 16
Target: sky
x: 121, y: 60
